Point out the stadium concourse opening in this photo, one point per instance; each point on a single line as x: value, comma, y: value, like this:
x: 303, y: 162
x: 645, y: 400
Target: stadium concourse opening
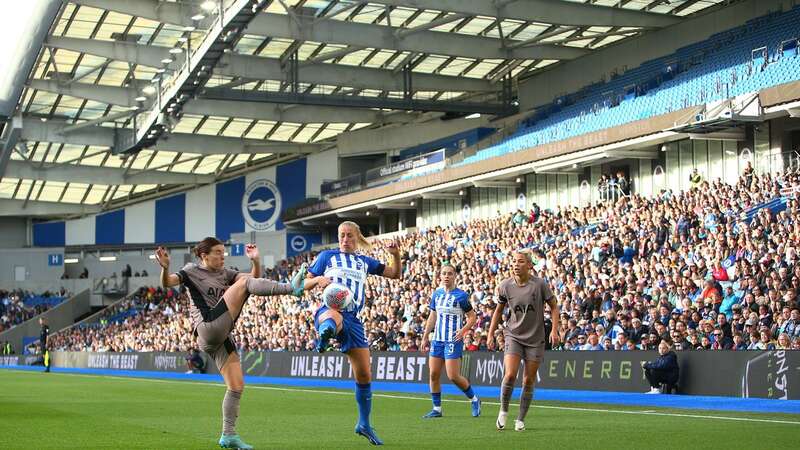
x: 305, y: 224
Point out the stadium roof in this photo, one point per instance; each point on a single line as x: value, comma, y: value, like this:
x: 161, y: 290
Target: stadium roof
x: 301, y: 60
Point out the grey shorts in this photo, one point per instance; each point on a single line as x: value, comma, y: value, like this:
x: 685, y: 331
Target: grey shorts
x: 214, y: 335
x: 526, y: 352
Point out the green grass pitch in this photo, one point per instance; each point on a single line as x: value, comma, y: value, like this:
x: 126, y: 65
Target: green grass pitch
x: 40, y: 411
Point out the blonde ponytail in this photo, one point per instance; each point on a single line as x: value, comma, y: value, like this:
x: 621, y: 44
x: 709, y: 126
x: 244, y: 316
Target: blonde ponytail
x: 363, y: 243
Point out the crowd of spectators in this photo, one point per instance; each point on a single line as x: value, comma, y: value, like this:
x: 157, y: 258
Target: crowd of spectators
x: 681, y: 267
x: 152, y: 319
x: 18, y: 306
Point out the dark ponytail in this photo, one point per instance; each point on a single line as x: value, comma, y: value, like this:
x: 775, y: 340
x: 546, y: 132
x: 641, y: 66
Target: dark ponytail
x: 205, y: 246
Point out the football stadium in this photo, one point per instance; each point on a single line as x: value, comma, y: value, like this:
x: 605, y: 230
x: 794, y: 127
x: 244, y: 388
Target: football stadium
x: 282, y: 224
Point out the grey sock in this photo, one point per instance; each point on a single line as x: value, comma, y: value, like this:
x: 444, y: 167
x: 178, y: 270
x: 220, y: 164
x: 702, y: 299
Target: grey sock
x: 505, y: 396
x: 230, y: 411
x: 525, y: 401
x: 262, y: 286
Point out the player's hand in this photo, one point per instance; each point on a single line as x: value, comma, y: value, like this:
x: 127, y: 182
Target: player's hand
x: 162, y: 257
x: 460, y: 334
x: 490, y: 342
x: 425, y: 345
x: 392, y: 248
x: 323, y: 281
x: 555, y: 338
x: 251, y: 250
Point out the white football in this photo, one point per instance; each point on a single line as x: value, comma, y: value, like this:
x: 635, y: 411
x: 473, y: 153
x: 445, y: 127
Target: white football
x: 337, y: 296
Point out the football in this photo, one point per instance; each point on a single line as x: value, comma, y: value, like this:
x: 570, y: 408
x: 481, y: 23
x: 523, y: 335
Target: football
x: 337, y: 296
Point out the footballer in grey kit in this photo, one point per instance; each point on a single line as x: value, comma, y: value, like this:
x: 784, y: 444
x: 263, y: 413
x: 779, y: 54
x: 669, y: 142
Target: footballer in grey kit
x: 525, y: 295
x: 217, y: 297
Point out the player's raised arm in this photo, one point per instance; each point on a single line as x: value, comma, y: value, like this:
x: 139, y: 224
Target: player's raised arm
x: 252, y: 253
x: 167, y: 279
x: 395, y: 268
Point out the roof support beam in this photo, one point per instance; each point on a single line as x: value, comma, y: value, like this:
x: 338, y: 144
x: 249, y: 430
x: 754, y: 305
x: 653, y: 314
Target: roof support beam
x: 346, y: 101
x: 11, y: 134
x: 296, y: 114
x: 100, y: 175
x: 260, y: 68
x: 351, y: 33
x: 583, y: 37
x: 333, y: 54
x: 379, y: 36
x: 119, y: 96
x: 99, y: 120
x: 48, y: 209
x: 404, y: 32
x: 541, y: 37
x: 544, y: 11
x: 251, y: 110
x: 53, y: 131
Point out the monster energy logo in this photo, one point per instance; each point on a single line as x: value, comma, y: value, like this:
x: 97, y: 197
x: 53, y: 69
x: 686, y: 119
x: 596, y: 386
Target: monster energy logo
x: 252, y: 363
x: 765, y: 376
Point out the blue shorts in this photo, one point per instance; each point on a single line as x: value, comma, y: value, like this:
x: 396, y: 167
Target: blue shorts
x: 447, y: 350
x: 352, y: 334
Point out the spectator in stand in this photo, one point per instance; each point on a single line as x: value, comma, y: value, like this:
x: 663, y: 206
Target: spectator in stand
x: 695, y: 179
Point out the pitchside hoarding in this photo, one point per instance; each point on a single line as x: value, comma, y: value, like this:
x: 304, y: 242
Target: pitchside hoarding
x: 774, y: 374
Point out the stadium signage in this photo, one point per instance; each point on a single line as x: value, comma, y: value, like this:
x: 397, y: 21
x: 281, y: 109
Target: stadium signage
x: 768, y: 375
x: 123, y: 361
x: 341, y: 186
x: 399, y: 367
x: 489, y: 370
x: 165, y: 361
x: 771, y: 374
x: 407, y: 165
x: 9, y: 361
x: 311, y: 209
x: 318, y: 366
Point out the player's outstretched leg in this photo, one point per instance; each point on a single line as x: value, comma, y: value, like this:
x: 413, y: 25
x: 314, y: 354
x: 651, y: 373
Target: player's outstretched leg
x: 359, y: 360
x: 233, y: 441
x: 262, y: 286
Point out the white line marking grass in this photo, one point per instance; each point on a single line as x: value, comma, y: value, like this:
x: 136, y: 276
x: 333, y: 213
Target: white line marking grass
x: 407, y: 397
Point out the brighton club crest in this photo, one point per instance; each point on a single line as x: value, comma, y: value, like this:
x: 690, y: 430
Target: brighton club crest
x: 261, y: 204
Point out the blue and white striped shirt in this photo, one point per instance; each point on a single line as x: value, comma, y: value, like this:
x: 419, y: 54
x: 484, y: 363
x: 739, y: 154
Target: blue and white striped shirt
x: 450, y: 308
x: 349, y: 269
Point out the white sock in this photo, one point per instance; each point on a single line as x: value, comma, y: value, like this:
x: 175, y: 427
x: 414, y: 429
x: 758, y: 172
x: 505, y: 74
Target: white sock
x: 474, y: 398
x: 437, y: 408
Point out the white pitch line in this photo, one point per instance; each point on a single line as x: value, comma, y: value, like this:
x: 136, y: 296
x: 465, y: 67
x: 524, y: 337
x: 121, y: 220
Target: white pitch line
x: 406, y: 397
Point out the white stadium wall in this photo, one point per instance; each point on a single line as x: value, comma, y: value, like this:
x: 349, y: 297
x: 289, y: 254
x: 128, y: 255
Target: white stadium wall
x: 321, y: 166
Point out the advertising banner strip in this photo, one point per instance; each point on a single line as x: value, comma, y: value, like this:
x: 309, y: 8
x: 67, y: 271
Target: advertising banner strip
x: 753, y: 374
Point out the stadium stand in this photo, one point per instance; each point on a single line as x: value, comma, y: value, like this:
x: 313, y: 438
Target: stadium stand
x: 19, y: 306
x: 759, y: 54
x: 711, y: 268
